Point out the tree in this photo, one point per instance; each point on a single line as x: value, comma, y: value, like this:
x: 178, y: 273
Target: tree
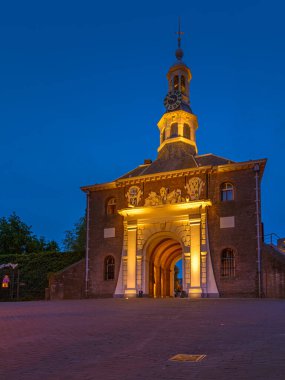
x: 52, y: 246
x: 41, y: 245
x: 16, y: 237
x: 75, y: 240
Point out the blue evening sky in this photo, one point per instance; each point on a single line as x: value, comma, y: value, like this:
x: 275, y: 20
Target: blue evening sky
x: 82, y: 86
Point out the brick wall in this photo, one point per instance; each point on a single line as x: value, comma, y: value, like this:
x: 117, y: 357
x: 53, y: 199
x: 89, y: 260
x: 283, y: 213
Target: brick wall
x: 273, y: 272
x: 68, y: 283
x: 100, y: 247
x: 241, y: 238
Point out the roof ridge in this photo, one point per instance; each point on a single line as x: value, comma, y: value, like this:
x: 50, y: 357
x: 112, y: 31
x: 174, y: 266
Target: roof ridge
x: 215, y: 155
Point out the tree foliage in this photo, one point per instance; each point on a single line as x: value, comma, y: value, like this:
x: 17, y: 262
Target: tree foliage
x: 33, y: 271
x: 75, y: 239
x: 16, y: 237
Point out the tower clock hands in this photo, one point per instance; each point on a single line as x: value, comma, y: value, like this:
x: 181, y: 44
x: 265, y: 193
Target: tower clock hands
x: 172, y: 100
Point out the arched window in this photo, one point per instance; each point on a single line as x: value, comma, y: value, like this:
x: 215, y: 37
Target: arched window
x: 163, y: 135
x: 183, y: 85
x: 174, y: 130
x: 111, y: 206
x: 228, y: 263
x: 186, y: 131
x: 227, y: 192
x: 176, y: 83
x: 109, y: 268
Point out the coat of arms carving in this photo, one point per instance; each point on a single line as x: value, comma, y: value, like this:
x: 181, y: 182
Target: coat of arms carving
x: 194, y: 188
x: 164, y: 197
x: 133, y: 196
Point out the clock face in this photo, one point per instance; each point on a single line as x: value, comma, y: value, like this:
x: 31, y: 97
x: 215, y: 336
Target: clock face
x: 172, y: 100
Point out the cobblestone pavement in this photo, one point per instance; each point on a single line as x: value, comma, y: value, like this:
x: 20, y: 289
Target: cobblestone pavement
x: 134, y: 339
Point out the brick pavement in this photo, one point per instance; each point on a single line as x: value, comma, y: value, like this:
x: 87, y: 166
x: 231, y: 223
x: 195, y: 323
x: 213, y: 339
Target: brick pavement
x: 133, y: 339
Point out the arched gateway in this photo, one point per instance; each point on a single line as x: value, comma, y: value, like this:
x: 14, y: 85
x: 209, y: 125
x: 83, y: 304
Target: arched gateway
x: 155, y: 238
x: 162, y: 253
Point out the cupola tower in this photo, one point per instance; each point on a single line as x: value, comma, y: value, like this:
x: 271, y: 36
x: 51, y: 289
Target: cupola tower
x: 178, y: 124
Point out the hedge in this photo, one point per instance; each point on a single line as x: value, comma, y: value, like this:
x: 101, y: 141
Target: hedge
x: 34, y: 270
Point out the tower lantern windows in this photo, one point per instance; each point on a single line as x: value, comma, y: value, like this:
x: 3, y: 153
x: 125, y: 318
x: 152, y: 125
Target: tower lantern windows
x: 176, y: 83
x: 183, y: 85
x: 186, y: 131
x: 174, y: 130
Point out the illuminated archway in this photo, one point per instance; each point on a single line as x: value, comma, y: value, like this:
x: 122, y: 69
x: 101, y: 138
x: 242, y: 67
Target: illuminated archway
x: 161, y: 254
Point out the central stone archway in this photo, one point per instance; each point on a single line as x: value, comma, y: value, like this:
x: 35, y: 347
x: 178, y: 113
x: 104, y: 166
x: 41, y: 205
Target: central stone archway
x: 162, y: 253
x: 155, y: 238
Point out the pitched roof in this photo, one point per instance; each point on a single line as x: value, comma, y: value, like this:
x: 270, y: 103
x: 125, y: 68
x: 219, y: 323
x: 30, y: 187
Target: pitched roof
x: 175, y: 163
x: 212, y: 160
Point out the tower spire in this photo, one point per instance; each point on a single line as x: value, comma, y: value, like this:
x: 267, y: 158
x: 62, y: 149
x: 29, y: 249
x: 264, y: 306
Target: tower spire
x: 179, y: 51
x: 178, y: 124
x: 179, y: 33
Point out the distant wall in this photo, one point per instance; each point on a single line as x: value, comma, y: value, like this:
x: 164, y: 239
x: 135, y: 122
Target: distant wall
x: 68, y: 283
x: 273, y: 272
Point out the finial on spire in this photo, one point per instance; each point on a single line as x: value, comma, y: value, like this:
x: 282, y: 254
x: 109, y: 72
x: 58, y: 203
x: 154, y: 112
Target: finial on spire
x: 179, y: 51
x: 179, y: 33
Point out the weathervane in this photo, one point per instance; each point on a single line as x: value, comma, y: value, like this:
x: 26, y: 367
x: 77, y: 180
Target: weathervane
x: 179, y: 33
x: 179, y: 51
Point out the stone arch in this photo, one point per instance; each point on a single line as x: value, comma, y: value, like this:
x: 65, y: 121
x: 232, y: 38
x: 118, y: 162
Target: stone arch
x: 178, y: 230
x: 161, y: 252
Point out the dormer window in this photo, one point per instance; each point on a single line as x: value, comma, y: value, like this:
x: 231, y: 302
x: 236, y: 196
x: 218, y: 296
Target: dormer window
x: 227, y: 192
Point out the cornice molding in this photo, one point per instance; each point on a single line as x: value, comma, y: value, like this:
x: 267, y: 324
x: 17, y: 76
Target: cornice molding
x: 165, y: 210
x: 177, y: 173
x: 174, y: 140
x: 99, y: 186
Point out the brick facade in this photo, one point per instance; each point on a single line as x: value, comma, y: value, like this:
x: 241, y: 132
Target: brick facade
x: 241, y: 238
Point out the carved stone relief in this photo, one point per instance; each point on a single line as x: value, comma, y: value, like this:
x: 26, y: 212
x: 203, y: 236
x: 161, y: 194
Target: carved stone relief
x: 164, y: 197
x: 194, y: 188
x: 133, y: 196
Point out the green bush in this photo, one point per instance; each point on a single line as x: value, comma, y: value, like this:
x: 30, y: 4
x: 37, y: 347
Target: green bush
x: 34, y: 269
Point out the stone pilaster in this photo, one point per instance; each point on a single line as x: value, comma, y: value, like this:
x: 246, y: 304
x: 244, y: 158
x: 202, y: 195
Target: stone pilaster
x: 195, y: 290
x: 131, y: 291
x: 139, y: 272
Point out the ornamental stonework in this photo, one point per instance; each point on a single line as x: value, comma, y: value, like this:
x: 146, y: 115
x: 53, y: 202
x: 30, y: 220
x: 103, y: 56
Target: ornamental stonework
x: 180, y: 228
x: 194, y: 188
x: 164, y: 197
x: 134, y: 196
